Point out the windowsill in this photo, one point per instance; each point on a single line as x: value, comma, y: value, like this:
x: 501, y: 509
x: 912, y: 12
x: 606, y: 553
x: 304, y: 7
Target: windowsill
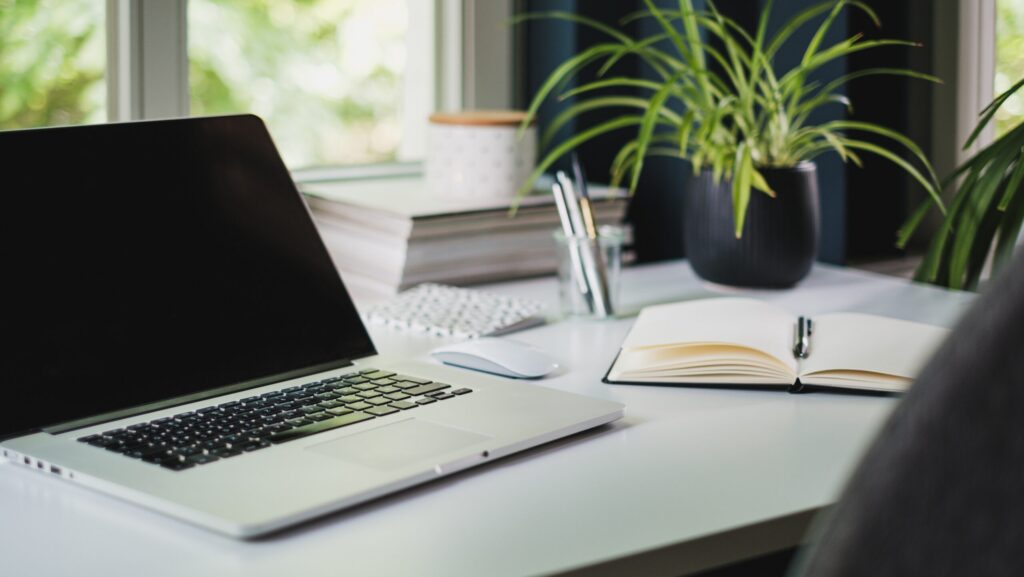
x: 384, y: 170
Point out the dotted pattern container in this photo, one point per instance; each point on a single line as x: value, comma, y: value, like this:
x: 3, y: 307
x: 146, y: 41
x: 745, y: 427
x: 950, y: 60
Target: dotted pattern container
x: 479, y: 154
x: 448, y: 311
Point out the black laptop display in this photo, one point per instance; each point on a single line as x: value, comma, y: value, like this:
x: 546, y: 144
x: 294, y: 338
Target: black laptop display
x: 227, y: 287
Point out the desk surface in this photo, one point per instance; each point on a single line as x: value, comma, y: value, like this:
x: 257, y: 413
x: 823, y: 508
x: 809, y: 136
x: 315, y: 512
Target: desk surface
x: 690, y: 479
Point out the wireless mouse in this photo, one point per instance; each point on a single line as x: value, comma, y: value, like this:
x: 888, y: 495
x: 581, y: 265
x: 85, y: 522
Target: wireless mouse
x: 497, y: 356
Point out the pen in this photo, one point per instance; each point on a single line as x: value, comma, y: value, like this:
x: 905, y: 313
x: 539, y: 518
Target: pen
x: 561, y: 202
x: 598, y: 270
x: 801, y: 348
x: 597, y: 292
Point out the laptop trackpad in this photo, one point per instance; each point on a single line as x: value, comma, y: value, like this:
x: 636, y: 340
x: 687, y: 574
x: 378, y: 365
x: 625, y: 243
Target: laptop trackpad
x: 399, y: 444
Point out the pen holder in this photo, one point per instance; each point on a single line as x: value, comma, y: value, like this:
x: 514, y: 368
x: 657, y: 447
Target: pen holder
x: 572, y: 289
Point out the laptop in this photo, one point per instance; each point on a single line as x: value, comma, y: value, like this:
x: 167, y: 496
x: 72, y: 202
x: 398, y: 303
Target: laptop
x: 179, y: 338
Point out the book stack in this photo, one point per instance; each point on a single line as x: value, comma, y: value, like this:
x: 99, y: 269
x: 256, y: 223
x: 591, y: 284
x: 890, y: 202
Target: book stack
x: 389, y: 235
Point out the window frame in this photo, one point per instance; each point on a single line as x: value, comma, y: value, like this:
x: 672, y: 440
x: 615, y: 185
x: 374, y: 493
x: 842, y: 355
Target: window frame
x: 147, y: 64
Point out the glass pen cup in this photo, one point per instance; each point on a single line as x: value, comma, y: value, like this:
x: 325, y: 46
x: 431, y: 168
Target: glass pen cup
x: 573, y: 283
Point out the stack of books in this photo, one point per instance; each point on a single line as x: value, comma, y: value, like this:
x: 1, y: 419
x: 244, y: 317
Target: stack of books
x: 389, y: 235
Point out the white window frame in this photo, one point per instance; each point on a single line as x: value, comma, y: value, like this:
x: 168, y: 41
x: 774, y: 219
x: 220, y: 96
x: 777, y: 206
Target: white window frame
x: 472, y: 67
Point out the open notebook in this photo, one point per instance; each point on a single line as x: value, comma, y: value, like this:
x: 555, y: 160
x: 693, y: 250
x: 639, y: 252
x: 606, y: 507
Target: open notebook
x: 739, y: 341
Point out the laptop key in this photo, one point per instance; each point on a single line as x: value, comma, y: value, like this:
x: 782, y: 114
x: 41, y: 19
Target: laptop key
x: 318, y: 417
x: 365, y: 387
x: 404, y: 405
x: 416, y: 380
x: 425, y: 401
x: 377, y: 375
x: 201, y: 459
x: 176, y: 465
x: 369, y: 394
x: 359, y: 406
x: 462, y: 391
x: 381, y: 411
x: 350, y: 399
x: 337, y: 412
x: 388, y: 389
x: 424, y: 389
x: 397, y: 396
x: 444, y: 396
x: 379, y: 401
x: 299, y: 432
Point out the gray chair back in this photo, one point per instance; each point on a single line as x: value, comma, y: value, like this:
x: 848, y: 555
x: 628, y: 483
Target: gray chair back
x: 941, y: 491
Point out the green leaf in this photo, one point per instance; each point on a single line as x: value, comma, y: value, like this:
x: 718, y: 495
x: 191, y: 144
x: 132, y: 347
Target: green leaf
x: 575, y: 110
x: 617, y: 82
x: 906, y: 166
x: 572, y: 143
x: 741, y: 187
x: 564, y: 70
x: 647, y: 130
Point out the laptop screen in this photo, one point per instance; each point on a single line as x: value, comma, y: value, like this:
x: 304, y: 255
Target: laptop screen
x: 151, y: 261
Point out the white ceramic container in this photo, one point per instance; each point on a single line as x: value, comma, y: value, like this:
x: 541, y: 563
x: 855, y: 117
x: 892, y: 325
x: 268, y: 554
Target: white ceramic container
x: 478, y: 155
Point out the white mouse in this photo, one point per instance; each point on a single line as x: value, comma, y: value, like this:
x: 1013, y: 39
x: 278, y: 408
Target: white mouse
x: 498, y: 356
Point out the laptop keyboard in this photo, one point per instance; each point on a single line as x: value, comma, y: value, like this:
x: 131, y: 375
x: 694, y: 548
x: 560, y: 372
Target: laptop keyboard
x: 253, y: 423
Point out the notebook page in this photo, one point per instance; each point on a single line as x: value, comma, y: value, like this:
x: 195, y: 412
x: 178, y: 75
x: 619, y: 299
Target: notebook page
x: 736, y: 321
x: 871, y: 344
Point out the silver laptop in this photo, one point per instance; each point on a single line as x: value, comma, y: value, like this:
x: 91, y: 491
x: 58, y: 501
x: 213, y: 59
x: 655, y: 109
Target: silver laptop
x: 180, y: 339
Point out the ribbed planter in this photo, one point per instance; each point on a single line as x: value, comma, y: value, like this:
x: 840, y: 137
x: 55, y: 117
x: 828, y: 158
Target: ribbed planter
x: 780, y: 235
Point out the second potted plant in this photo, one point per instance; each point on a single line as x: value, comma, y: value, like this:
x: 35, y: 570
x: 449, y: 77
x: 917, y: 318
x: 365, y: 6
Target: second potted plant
x: 751, y: 213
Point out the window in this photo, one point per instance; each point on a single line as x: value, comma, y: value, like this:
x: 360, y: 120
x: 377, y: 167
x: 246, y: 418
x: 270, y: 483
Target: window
x: 328, y: 76
x: 339, y: 82
x: 52, y: 61
x: 1009, y: 66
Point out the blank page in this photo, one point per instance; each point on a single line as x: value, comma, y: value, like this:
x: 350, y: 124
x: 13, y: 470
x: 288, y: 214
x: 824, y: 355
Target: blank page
x: 734, y: 321
x: 871, y: 344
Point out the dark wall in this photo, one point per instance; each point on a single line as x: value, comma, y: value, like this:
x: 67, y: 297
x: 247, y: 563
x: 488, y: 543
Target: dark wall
x: 860, y: 208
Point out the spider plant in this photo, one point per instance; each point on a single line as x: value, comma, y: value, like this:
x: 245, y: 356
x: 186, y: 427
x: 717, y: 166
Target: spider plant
x: 726, y: 108
x: 985, y: 213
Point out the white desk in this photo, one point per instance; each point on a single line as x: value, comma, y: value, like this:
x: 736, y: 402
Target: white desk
x: 691, y: 478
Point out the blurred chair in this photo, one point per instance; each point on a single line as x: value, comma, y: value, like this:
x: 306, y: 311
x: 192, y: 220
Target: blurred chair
x: 941, y: 491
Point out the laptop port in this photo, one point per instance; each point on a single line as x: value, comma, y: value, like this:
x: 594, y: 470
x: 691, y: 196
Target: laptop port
x: 27, y: 461
x: 55, y: 469
x: 40, y: 465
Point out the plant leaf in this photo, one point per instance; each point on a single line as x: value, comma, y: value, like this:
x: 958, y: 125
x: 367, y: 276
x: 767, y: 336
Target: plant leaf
x: 741, y: 187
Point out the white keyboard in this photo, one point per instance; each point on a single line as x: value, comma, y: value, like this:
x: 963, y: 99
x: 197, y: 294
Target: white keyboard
x: 445, y: 311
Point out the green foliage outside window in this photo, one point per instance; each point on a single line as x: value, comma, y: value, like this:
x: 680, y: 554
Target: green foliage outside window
x: 52, y: 55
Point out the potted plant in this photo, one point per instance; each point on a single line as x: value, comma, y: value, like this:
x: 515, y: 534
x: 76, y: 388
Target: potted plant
x: 985, y: 213
x: 751, y: 216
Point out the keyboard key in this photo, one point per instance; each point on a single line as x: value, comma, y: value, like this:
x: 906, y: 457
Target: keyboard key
x: 444, y: 396
x: 338, y: 411
x: 357, y: 380
x: 388, y: 389
x: 255, y: 446
x: 350, y: 399
x: 416, y: 380
x: 366, y: 371
x: 348, y: 391
x: 329, y: 404
x: 359, y: 406
x: 381, y: 411
x: 201, y: 459
x: 299, y: 432
x: 365, y: 387
x: 379, y: 401
x: 462, y: 391
x: 397, y: 396
x: 404, y: 405
x: 298, y: 422
x: 369, y: 394
x: 424, y: 389
x: 175, y: 465
x: 318, y: 417
x: 381, y: 382
x: 425, y: 401
x: 377, y: 375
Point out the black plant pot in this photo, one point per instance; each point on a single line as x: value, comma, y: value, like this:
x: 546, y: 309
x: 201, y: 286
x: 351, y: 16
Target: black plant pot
x: 780, y: 235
